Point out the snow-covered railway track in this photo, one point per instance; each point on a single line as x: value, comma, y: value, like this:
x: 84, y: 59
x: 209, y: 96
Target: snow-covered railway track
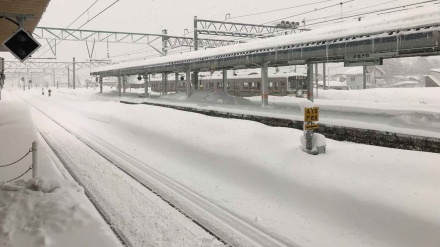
x: 121, y: 237
x: 221, y: 224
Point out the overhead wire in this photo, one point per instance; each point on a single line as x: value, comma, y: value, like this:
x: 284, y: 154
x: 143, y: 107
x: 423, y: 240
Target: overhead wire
x: 316, y: 9
x: 276, y: 10
x: 82, y: 13
x: 301, y: 13
x: 86, y: 23
x: 328, y: 22
x: 373, y: 12
x: 78, y: 17
x: 307, y: 12
x: 351, y: 11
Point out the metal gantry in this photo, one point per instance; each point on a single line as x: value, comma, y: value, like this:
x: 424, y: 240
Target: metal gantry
x: 40, y: 67
x: 58, y: 34
x: 244, y: 30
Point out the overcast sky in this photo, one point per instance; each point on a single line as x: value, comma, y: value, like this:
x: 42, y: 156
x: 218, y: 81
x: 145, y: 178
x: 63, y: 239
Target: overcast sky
x: 151, y: 16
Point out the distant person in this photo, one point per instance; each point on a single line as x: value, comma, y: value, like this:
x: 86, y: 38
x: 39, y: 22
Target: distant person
x: 42, y: 91
x: 49, y: 91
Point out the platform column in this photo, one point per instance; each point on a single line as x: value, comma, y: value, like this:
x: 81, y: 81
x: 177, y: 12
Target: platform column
x: 188, y: 83
x: 196, y: 80
x: 324, y: 79
x: 225, y: 80
x: 176, y: 83
x: 100, y: 84
x: 119, y: 85
x: 146, y: 79
x: 124, y: 81
x: 316, y: 79
x: 264, y: 85
x: 165, y: 82
x: 365, y: 76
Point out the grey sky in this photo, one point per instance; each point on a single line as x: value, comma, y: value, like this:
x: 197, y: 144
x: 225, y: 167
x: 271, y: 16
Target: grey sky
x: 151, y: 16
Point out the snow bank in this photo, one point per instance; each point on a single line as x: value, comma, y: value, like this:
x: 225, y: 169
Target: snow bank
x: 415, y: 96
x: 305, y: 104
x: 16, y: 136
x: 318, y: 140
x: 43, y: 212
x: 212, y: 97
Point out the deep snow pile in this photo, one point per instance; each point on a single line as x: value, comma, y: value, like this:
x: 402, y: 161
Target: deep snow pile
x: 206, y: 96
x: 43, y: 212
x: 16, y: 136
x: 410, y: 96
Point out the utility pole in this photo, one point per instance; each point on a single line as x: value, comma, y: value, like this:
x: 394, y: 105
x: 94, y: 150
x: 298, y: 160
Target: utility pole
x: 68, y: 77
x: 164, y: 53
x: 196, y: 47
x: 196, y: 35
x: 73, y: 73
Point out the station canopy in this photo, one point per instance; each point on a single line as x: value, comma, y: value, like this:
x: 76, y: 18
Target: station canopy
x: 34, y: 7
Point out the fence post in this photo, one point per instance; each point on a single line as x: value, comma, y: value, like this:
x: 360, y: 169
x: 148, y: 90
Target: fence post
x: 34, y: 159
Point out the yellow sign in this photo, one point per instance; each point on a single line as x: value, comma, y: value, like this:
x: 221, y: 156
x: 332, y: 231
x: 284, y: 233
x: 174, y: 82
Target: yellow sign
x: 311, y: 126
x: 311, y: 114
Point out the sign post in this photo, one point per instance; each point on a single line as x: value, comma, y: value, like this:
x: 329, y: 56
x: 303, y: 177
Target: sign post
x: 309, y: 133
x: 311, y: 115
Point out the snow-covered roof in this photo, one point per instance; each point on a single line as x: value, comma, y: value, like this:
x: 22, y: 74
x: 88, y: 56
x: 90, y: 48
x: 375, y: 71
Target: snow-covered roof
x: 382, y: 24
x: 406, y: 83
x: 333, y: 83
x: 353, y: 70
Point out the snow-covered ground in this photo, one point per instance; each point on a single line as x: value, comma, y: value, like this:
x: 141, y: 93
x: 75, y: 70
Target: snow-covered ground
x: 355, y: 195
x: 414, y: 111
x: 51, y: 211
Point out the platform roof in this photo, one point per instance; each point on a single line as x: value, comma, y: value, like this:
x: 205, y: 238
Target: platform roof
x: 25, y: 7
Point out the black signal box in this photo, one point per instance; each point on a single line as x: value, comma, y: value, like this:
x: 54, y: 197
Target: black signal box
x: 21, y: 44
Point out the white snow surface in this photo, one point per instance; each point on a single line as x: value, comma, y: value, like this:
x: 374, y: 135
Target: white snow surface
x: 43, y: 212
x: 413, y: 111
x: 50, y: 210
x: 405, y: 20
x: 355, y: 195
